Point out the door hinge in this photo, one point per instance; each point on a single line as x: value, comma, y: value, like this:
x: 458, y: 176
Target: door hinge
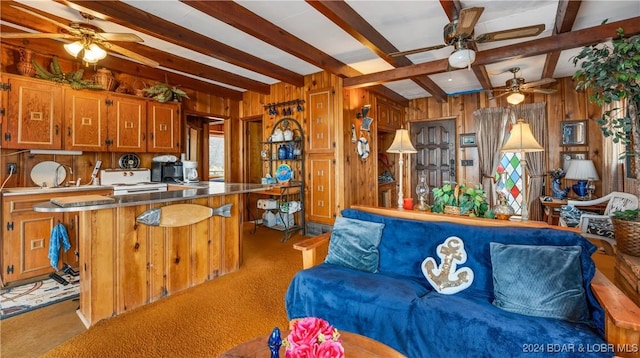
x: 7, y: 137
x: 9, y: 269
x: 108, y: 102
x: 9, y: 225
x: 2, y: 112
x: 5, y: 87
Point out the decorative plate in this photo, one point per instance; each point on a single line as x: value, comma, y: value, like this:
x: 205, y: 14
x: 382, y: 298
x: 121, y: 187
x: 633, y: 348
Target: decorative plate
x: 363, y: 148
x: 44, y: 174
x: 283, y: 173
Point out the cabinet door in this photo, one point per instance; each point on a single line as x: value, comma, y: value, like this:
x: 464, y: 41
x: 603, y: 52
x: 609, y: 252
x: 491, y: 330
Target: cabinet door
x: 127, y: 118
x: 164, y: 127
x: 85, y: 120
x: 26, y: 238
x: 320, y: 127
x: 321, y: 189
x: 34, y: 115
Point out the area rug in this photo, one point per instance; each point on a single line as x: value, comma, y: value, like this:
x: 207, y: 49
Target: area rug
x: 31, y: 296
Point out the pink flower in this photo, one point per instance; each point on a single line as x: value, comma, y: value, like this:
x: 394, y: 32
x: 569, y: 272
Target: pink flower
x: 313, y: 337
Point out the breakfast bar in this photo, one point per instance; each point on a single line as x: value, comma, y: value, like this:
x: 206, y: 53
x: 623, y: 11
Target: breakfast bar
x: 125, y: 264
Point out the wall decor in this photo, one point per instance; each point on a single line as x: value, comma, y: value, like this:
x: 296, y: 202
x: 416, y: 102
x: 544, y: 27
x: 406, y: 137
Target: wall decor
x: 566, y: 157
x: 468, y: 140
x: 574, y: 132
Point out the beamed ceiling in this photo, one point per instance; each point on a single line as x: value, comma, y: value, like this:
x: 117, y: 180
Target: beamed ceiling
x: 228, y: 47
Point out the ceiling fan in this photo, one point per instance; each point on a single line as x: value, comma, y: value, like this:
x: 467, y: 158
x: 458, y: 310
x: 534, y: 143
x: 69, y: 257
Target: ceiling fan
x: 459, y: 33
x: 516, y: 87
x: 90, y: 40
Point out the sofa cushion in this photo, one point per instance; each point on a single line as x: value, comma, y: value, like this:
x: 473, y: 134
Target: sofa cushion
x: 374, y: 305
x: 544, y: 281
x: 468, y: 325
x: 354, y: 244
x: 601, y: 227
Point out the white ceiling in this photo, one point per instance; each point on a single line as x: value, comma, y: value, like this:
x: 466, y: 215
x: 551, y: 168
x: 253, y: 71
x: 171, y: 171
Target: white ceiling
x: 406, y: 24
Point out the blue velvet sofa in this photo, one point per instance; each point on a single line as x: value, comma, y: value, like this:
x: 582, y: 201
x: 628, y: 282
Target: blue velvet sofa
x: 396, y: 304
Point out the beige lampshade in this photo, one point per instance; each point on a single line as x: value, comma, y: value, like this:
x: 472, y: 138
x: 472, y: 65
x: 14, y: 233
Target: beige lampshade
x: 402, y: 143
x: 521, y: 139
x: 582, y: 169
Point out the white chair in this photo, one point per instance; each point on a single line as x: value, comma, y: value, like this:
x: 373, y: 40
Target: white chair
x: 595, y: 226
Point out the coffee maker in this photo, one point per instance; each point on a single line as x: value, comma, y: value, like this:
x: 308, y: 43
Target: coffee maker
x: 190, y: 171
x: 166, y: 172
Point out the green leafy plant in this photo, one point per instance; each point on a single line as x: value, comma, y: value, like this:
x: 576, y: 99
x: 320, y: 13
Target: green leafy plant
x: 471, y: 200
x: 162, y: 92
x: 613, y: 74
x: 627, y: 215
x: 74, y: 79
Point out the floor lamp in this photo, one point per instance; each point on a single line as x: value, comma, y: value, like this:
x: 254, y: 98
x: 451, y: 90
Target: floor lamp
x: 521, y: 141
x: 401, y: 144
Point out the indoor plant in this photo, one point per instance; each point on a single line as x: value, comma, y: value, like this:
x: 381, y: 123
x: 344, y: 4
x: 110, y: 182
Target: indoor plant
x: 462, y: 199
x: 162, y: 92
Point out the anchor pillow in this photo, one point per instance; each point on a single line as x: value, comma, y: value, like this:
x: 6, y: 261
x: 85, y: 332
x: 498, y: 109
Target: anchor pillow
x: 446, y: 278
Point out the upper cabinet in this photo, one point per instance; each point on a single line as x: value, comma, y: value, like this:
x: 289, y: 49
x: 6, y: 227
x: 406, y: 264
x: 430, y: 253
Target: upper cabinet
x: 33, y: 114
x: 389, y: 116
x: 320, y: 127
x: 45, y: 115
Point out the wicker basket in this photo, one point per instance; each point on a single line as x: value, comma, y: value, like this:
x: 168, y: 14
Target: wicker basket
x: 627, y: 235
x: 452, y: 210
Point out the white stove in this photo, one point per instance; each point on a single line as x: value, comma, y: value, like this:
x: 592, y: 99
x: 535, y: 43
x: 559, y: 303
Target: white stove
x: 130, y: 181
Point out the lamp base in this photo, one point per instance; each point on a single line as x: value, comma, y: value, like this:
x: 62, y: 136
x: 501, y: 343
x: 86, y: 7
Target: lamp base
x: 580, y: 188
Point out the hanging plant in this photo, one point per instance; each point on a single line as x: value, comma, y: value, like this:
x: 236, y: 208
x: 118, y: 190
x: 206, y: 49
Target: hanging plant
x: 74, y: 79
x: 162, y: 92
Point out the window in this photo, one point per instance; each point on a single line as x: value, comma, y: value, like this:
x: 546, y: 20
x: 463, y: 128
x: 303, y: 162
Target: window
x: 510, y: 163
x: 216, y: 155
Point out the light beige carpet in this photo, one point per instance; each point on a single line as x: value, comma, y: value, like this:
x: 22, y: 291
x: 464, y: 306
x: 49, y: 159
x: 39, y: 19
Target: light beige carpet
x: 206, y: 320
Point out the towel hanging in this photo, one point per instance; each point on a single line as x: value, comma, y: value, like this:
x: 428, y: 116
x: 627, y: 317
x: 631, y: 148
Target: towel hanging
x: 59, y: 237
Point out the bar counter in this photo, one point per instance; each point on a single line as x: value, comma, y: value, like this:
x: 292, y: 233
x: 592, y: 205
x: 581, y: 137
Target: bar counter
x: 125, y: 264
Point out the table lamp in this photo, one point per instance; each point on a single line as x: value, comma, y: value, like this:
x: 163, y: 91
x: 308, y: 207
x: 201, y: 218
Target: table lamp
x: 401, y: 144
x: 521, y: 141
x: 585, y: 173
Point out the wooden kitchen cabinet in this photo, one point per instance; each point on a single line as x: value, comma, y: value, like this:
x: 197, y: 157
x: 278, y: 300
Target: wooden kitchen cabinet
x: 85, y: 120
x: 389, y: 116
x: 321, y: 189
x: 164, y: 127
x: 320, y: 131
x: 127, y: 117
x: 33, y: 114
x: 27, y: 233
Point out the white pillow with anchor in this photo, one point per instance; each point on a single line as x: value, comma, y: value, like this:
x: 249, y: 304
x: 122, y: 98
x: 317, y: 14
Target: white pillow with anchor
x: 446, y: 278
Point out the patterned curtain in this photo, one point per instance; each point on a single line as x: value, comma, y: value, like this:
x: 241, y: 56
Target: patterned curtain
x: 536, y: 115
x: 489, y: 122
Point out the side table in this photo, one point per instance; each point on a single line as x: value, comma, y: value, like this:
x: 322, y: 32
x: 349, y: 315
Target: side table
x: 552, y: 209
x: 355, y: 346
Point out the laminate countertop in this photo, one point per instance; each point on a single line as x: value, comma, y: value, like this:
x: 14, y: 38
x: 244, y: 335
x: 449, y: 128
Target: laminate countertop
x: 183, y: 192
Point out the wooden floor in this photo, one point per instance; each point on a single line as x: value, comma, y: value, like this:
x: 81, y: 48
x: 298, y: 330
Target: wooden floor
x: 35, y: 333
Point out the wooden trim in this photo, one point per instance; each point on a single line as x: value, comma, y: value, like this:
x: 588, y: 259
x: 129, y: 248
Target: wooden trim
x: 309, y: 246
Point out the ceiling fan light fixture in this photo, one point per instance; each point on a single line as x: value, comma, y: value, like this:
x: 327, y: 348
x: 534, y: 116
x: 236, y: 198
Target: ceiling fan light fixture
x: 515, y: 98
x: 462, y: 58
x: 93, y: 53
x: 73, y: 48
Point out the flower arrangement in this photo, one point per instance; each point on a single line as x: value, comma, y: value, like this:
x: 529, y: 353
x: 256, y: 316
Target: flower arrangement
x: 558, y: 173
x: 313, y: 337
x: 472, y: 200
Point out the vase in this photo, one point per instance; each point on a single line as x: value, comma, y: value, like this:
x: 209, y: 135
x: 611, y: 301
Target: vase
x: 25, y: 67
x: 105, y: 78
x: 557, y: 190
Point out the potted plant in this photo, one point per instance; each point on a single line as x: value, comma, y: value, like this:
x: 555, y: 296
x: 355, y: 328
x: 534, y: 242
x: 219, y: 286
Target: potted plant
x: 613, y: 74
x: 460, y: 199
x: 162, y: 92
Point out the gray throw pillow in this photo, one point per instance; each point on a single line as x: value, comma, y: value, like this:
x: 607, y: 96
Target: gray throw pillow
x: 354, y: 244
x: 543, y: 281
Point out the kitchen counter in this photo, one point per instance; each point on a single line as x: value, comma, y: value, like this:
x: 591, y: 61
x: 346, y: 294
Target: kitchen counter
x: 178, y: 192
x: 54, y: 189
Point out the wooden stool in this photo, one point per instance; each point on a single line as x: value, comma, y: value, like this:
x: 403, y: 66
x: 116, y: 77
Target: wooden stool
x: 627, y: 275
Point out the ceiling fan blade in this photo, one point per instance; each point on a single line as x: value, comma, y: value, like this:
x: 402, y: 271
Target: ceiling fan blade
x: 59, y: 24
x: 541, y: 90
x: 467, y: 21
x: 541, y: 82
x: 418, y: 50
x: 131, y: 54
x: 26, y: 35
x: 502, y: 94
x: 119, y: 36
x: 511, y: 33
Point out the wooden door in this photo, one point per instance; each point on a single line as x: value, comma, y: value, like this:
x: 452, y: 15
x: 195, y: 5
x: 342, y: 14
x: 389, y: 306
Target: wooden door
x: 320, y: 127
x: 34, y: 115
x: 85, y: 120
x: 127, y: 117
x: 164, y: 128
x: 436, y: 156
x: 321, y: 189
x: 253, y: 161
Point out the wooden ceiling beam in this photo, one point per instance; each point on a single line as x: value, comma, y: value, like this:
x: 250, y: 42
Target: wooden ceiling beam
x: 126, y: 15
x: 343, y: 15
x: 565, y: 18
x: 565, y: 41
